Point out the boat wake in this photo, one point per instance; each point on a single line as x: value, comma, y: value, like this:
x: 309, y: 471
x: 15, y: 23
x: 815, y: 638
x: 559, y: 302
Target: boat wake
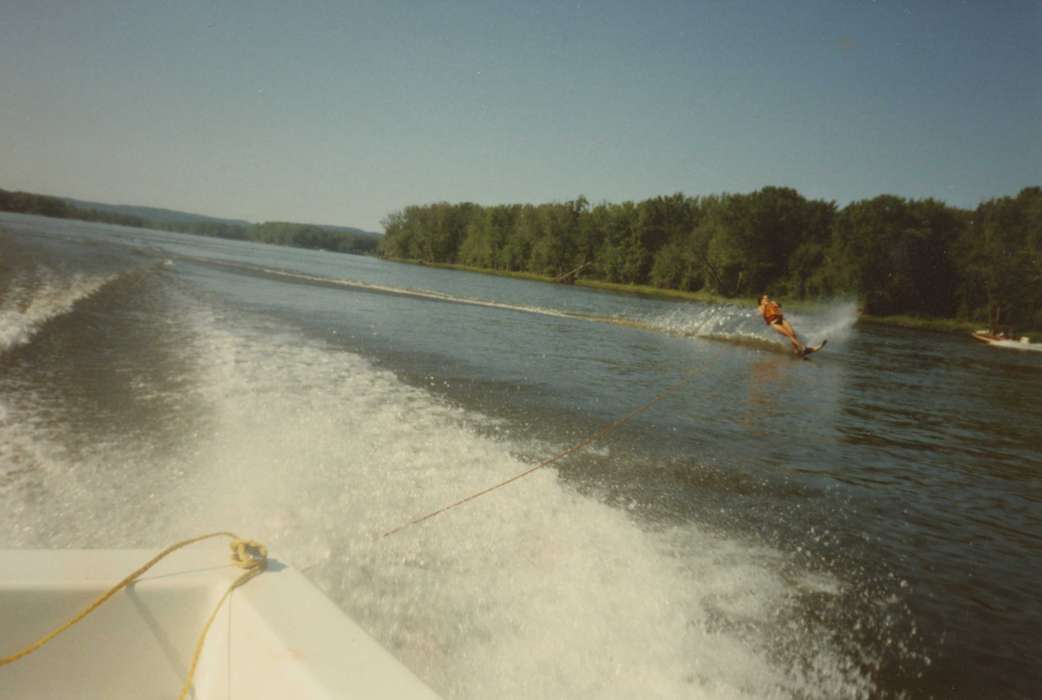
x: 742, y: 326
x: 33, y: 297
x: 424, y: 294
x: 315, y: 451
x: 717, y: 322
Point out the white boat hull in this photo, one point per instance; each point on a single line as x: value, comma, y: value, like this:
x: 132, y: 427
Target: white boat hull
x: 276, y: 637
x: 1009, y: 343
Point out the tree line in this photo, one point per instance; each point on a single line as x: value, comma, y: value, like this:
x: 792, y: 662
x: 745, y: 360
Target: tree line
x: 897, y: 255
x: 276, y: 232
x: 55, y: 207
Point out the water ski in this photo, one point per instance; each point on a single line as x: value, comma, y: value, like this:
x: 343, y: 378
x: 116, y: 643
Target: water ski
x: 811, y: 349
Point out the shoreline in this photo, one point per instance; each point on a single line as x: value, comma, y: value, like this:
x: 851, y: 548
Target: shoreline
x: 921, y: 323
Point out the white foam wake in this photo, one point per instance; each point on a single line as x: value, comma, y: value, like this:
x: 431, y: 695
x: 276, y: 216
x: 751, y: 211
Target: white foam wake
x: 428, y: 294
x: 534, y: 591
x: 831, y: 320
x: 34, y: 297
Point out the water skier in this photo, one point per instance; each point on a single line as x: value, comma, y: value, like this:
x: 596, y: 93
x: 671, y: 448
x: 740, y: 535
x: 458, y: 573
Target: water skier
x: 772, y: 316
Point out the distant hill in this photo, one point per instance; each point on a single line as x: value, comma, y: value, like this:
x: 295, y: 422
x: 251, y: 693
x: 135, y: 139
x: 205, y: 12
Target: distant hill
x: 335, y: 229
x: 171, y: 216
x: 163, y: 216
x: 340, y: 239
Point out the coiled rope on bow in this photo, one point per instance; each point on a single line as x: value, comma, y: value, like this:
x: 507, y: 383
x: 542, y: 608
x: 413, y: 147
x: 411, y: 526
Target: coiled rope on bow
x: 246, y: 554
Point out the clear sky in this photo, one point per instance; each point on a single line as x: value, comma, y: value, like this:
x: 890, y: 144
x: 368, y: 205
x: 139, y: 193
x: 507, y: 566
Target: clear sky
x: 341, y: 112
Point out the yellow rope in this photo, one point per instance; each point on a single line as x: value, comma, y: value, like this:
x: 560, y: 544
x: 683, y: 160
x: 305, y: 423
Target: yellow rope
x: 603, y: 432
x: 246, y: 554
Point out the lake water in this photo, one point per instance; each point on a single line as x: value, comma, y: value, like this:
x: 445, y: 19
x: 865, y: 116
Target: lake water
x: 864, y: 524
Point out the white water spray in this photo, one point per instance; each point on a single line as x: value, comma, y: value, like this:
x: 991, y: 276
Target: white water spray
x: 536, y: 591
x: 32, y: 298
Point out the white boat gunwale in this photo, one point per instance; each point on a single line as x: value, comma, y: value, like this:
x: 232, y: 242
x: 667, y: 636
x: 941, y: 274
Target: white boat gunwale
x: 278, y: 636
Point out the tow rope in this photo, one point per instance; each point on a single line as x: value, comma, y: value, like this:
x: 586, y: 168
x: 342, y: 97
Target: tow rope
x: 606, y: 430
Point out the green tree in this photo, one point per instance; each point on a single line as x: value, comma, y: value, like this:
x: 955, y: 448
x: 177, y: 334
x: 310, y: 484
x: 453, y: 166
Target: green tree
x: 897, y: 255
x: 1001, y: 259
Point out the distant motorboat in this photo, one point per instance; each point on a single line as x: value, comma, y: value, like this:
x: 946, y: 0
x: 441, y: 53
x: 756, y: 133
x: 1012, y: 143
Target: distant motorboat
x: 1001, y: 340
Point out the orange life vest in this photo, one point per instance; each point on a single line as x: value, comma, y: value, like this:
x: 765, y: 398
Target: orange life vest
x: 771, y: 312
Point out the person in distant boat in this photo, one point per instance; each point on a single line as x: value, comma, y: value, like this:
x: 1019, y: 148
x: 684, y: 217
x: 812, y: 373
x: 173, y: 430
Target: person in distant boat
x: 772, y: 316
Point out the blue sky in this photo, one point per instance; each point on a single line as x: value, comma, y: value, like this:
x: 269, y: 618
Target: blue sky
x: 342, y: 112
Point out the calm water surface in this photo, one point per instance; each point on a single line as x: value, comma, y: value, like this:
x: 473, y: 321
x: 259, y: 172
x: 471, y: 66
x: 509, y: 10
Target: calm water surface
x: 865, y: 524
